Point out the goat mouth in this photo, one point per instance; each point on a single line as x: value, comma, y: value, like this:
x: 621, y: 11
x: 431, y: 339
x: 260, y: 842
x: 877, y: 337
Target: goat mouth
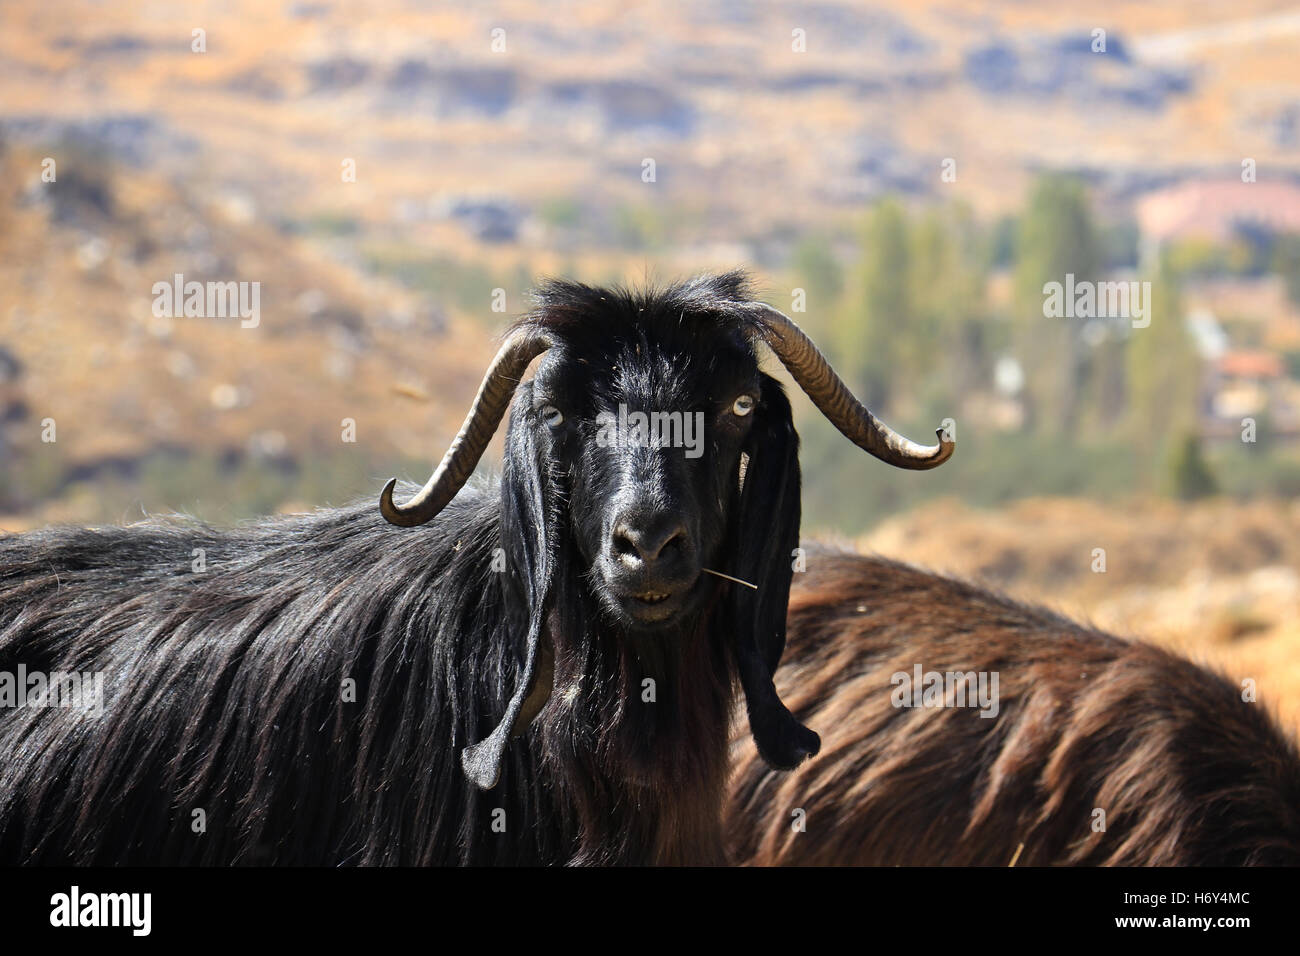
x: 649, y: 607
x: 651, y: 597
x: 655, y: 608
x: 649, y: 603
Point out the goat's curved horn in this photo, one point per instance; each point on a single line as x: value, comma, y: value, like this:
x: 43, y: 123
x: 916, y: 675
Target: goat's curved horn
x: 809, y: 367
x: 472, y: 440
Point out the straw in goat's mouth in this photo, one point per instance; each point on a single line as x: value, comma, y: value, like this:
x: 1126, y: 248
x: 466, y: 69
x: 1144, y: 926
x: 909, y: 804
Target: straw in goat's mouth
x: 730, y: 578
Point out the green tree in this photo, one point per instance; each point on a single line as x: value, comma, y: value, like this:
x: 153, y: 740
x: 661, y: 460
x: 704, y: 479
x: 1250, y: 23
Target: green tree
x: 879, y: 306
x: 1057, y: 239
x: 1163, y: 372
x: 1286, y: 263
x: 948, y: 337
x: 1189, y: 474
x: 818, y: 273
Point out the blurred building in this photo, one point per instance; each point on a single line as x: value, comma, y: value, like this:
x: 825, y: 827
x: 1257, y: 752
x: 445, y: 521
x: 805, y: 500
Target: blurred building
x: 1218, y: 211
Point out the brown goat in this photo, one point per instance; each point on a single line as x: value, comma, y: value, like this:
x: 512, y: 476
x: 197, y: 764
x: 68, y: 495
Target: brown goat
x: 1185, y: 771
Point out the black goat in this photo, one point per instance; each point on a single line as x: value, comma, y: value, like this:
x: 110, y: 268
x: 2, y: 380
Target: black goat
x: 1095, y: 750
x: 558, y: 631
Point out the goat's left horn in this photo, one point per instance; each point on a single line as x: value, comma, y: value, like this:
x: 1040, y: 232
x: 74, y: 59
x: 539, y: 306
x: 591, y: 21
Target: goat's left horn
x: 809, y: 367
x: 471, y: 441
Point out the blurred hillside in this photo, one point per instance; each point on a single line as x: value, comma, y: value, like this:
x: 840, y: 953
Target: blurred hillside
x: 748, y: 133
x: 198, y: 414
x: 904, y: 180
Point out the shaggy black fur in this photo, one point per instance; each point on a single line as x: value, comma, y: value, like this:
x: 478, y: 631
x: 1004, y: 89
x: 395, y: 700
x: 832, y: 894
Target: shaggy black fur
x: 225, y: 689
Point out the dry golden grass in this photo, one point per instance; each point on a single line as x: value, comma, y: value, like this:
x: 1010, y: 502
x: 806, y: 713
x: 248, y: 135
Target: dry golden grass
x: 1219, y: 581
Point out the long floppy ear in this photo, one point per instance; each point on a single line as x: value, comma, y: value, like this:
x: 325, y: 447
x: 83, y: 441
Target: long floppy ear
x: 765, y: 532
x: 528, y: 534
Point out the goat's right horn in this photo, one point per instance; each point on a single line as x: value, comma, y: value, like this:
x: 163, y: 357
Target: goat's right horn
x: 499, y: 383
x: 809, y: 367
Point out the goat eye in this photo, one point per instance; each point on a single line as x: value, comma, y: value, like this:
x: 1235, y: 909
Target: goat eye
x: 743, y: 405
x: 553, y: 417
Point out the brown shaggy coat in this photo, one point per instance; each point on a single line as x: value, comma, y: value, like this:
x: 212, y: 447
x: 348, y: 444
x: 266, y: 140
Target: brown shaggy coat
x: 1186, y: 772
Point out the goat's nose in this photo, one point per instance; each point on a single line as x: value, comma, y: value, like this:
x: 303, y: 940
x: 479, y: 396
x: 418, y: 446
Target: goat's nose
x: 647, y: 542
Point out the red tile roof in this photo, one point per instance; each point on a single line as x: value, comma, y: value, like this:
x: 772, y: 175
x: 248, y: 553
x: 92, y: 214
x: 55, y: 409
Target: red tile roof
x: 1212, y: 209
x: 1250, y: 364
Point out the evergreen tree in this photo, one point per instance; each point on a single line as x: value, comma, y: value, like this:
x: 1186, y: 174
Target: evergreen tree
x: 950, y: 335
x: 1286, y: 263
x: 1057, y: 238
x: 1163, y: 372
x: 819, y: 274
x: 1189, y: 474
x: 880, y: 307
